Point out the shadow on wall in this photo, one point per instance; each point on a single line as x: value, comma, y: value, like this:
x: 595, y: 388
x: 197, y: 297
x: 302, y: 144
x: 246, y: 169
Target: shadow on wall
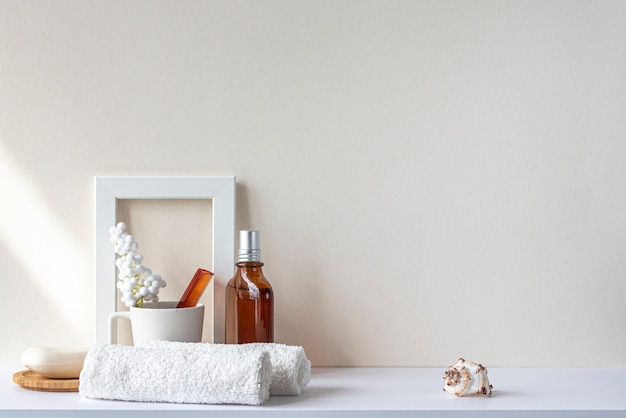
x: 41, y: 244
x: 21, y: 322
x: 242, y: 217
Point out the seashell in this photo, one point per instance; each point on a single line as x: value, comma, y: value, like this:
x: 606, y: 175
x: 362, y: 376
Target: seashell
x: 467, y: 377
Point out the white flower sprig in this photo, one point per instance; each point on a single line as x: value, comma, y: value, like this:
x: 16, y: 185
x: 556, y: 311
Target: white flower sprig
x: 136, y: 282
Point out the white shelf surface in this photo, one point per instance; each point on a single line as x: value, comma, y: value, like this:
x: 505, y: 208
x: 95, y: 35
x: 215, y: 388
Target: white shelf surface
x: 366, y: 392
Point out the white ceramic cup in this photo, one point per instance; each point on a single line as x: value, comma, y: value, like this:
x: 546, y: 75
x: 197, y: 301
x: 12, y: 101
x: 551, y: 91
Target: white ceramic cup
x: 161, y: 321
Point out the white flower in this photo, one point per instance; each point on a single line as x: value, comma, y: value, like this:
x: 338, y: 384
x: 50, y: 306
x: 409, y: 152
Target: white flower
x: 136, y: 281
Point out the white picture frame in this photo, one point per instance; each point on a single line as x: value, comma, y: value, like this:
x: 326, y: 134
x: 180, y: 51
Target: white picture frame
x: 108, y: 189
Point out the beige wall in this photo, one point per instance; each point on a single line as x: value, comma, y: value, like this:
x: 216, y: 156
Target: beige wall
x: 431, y: 179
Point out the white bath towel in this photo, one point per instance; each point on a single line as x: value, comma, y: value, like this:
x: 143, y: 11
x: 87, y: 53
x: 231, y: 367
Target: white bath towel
x: 214, y: 374
x: 291, y: 369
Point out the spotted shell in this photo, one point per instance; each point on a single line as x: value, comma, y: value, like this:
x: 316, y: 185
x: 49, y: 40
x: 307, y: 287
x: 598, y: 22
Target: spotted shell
x: 466, y: 377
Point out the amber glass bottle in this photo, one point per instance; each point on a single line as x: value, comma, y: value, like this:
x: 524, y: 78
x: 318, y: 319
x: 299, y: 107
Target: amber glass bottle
x: 249, y: 296
x: 195, y: 289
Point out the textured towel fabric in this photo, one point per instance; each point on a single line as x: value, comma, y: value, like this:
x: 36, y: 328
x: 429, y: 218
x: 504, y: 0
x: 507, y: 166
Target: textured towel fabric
x: 211, y: 374
x: 291, y: 370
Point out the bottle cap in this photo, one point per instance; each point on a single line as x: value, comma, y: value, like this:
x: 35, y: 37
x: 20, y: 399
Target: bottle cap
x: 249, y: 246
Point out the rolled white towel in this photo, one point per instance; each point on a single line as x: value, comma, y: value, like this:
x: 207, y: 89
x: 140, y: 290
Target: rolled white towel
x: 212, y: 374
x: 291, y: 369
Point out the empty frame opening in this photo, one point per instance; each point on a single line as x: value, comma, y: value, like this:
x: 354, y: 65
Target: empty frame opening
x: 174, y: 237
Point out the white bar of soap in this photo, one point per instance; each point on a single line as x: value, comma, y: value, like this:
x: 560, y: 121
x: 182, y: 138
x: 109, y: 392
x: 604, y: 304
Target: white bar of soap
x: 55, y: 362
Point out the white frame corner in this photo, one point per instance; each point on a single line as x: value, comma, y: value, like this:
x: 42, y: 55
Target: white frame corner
x: 219, y: 189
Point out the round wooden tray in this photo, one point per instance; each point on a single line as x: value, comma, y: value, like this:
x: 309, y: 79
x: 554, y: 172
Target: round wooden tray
x: 33, y: 381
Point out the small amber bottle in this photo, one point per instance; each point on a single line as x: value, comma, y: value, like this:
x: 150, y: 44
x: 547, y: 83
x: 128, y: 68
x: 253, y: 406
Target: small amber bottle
x: 249, y: 296
x: 195, y: 289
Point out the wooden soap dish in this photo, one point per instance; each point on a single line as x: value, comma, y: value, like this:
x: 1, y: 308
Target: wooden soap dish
x: 33, y: 381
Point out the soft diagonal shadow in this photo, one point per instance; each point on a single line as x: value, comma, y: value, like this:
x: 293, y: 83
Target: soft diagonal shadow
x: 45, y: 248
